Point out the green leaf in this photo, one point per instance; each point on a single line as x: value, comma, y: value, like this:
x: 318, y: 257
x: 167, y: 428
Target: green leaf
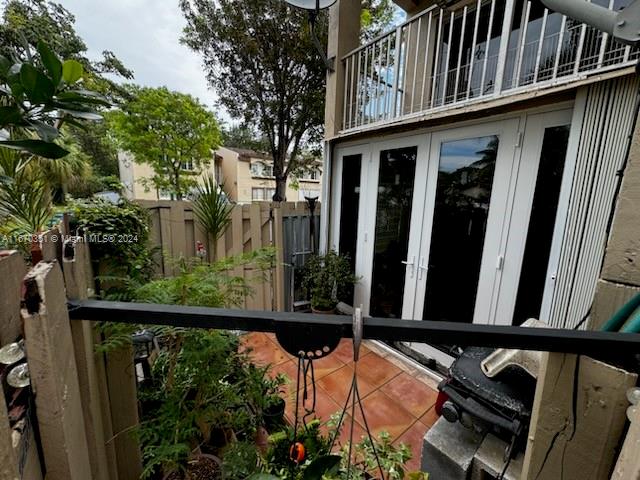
x: 76, y: 97
x: 72, y: 71
x: 5, y: 65
x: 36, y: 147
x: 45, y: 131
x: 322, y: 465
x: 51, y: 62
x: 82, y: 115
x: 10, y: 115
x: 262, y: 476
x: 38, y: 87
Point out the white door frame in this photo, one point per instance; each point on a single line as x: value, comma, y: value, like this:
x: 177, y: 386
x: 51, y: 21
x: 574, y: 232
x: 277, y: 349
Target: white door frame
x: 369, y: 205
x: 507, y: 133
x: 364, y: 150
x: 517, y: 228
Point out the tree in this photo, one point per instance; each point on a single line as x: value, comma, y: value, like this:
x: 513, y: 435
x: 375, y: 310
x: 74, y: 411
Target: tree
x: 37, y: 96
x: 25, y: 22
x: 244, y: 136
x: 259, y: 57
x: 169, y: 131
x: 377, y: 16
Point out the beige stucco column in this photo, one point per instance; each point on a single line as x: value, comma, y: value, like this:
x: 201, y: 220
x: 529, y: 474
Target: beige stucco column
x: 344, y: 36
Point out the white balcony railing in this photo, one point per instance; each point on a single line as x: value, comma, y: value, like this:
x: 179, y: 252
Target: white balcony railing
x: 444, y: 58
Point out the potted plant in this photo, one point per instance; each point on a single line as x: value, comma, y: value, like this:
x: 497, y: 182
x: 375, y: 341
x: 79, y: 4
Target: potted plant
x: 325, y: 280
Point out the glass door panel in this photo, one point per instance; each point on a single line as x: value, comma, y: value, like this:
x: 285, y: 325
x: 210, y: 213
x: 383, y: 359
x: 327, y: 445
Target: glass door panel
x: 541, y: 224
x: 463, y: 194
x: 349, y: 209
x: 396, y: 175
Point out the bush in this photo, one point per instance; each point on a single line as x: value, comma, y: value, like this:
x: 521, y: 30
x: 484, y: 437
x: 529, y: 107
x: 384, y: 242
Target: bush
x: 118, y: 235
x: 326, y: 279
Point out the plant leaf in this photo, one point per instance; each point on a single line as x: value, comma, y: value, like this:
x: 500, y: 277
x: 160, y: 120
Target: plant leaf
x: 83, y: 115
x: 10, y: 115
x: 320, y: 466
x: 37, y: 85
x: 77, y: 97
x: 45, y: 131
x: 37, y: 147
x: 5, y: 65
x: 50, y: 61
x: 263, y: 476
x: 72, y: 71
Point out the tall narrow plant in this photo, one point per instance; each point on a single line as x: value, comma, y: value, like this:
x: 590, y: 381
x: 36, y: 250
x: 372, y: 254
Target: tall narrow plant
x: 212, y: 209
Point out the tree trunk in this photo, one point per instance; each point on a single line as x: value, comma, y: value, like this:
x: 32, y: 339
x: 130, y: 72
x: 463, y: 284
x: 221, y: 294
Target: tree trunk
x: 281, y: 190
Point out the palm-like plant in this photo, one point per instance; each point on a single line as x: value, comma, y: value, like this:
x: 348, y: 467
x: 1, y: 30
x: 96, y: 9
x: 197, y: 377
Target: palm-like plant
x: 212, y: 209
x: 25, y: 203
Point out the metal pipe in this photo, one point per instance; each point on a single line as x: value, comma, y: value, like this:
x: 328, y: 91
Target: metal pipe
x: 599, y: 17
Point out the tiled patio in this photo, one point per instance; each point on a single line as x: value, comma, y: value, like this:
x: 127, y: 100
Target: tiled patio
x: 396, y: 397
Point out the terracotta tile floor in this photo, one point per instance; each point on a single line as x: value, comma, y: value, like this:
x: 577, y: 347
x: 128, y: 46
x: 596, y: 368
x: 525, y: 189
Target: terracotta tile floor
x: 395, y: 397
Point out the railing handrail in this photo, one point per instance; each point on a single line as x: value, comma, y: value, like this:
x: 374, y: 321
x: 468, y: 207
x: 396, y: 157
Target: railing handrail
x: 387, y: 33
x: 603, y: 345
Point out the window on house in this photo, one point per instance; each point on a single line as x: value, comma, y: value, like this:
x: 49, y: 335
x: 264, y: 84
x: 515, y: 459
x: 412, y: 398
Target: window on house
x: 257, y: 194
x: 188, y: 165
x: 260, y: 194
x: 259, y: 169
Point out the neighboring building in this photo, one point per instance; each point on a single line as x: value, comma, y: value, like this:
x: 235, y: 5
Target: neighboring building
x: 472, y: 157
x: 246, y: 176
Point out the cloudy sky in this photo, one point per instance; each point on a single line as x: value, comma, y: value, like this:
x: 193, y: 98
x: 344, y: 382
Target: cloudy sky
x: 144, y: 34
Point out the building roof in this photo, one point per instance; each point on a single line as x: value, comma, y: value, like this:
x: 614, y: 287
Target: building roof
x: 247, y: 153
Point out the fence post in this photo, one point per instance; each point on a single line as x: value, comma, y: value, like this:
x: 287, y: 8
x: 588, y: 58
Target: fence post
x: 54, y: 375
x: 278, y: 243
x: 12, y: 270
x: 91, y: 372
x: 124, y: 412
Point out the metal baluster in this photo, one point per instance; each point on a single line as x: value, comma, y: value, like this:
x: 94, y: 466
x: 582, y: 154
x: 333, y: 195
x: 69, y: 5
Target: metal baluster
x: 446, y: 66
x: 473, y: 48
x: 464, y: 27
x: 344, y: 93
x: 540, y: 43
x: 563, y: 27
x: 437, y: 59
x: 415, y: 63
x: 396, y: 72
x: 355, y: 120
x: 522, y: 45
x: 426, y: 59
x: 487, y: 49
x: 387, y: 109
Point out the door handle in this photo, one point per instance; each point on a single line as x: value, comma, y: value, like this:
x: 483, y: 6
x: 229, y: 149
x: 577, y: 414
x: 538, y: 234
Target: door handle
x: 422, y: 268
x: 410, y: 264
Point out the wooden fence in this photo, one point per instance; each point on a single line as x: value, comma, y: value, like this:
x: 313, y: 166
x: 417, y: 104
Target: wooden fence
x: 175, y: 232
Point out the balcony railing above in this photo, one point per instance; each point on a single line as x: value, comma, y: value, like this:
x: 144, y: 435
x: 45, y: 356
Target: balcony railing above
x: 488, y: 48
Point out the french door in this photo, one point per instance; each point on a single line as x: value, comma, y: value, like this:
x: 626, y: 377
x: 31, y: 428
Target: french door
x: 453, y: 225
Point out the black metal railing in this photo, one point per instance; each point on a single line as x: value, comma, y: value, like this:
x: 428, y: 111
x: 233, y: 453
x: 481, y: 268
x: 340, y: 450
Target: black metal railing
x: 602, y: 345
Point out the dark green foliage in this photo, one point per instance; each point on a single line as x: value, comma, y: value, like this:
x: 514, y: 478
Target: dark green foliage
x: 118, y: 236
x: 38, y: 95
x: 326, y: 279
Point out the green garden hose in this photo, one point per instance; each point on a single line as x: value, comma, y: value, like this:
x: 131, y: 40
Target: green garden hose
x: 626, y: 318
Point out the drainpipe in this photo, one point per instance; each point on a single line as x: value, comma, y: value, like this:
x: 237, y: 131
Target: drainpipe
x: 623, y: 25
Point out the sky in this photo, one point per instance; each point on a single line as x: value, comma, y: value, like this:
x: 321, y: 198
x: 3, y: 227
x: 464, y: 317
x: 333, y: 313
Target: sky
x: 145, y: 35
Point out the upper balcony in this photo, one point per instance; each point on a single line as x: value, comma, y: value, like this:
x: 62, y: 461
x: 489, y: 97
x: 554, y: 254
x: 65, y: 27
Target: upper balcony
x: 484, y: 49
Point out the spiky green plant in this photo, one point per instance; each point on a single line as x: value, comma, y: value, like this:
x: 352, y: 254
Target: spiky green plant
x: 212, y: 209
